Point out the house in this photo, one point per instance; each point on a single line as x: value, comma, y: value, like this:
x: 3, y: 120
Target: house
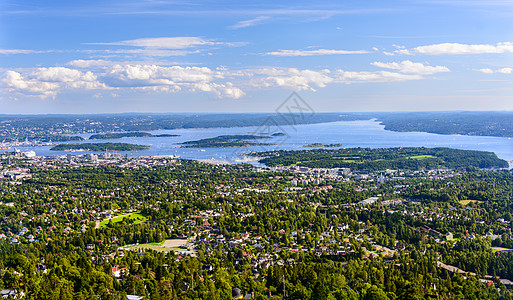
x: 449, y: 236
x: 5, y: 293
x: 236, y: 293
x: 492, y: 236
x: 368, y: 201
x: 116, y: 271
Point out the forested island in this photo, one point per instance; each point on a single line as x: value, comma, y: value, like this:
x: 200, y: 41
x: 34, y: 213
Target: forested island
x: 227, y: 141
x: 410, y: 158
x: 119, y: 135
x: 98, y: 147
x: 319, y: 145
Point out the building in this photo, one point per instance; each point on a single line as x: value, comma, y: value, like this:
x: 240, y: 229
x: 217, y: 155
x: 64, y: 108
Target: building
x: 29, y: 154
x: 368, y: 201
x: 344, y: 171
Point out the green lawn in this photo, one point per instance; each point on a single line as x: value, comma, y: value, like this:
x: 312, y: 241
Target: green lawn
x: 137, y: 217
x: 422, y: 156
x: 175, y: 245
x: 500, y: 249
x: 465, y: 202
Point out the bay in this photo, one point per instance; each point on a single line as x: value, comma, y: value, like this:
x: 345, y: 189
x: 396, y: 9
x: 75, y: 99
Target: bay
x: 351, y: 134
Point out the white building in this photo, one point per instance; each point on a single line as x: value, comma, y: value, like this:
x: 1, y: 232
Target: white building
x: 29, y: 154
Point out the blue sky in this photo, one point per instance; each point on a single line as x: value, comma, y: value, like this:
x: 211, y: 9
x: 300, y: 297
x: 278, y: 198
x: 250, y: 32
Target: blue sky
x: 242, y: 56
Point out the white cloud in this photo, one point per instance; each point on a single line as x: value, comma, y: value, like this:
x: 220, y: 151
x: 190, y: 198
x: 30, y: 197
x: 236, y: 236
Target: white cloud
x: 21, y: 51
x: 310, y: 80
x: 314, y: 52
x: 163, y: 46
x: 14, y: 83
x: 171, y: 79
x: 456, y: 48
x: 155, y: 75
x: 46, y: 82
x: 249, y: 23
x: 500, y: 71
x: 380, y: 76
x: 61, y: 74
x: 181, y: 42
x: 290, y: 78
x: 90, y: 63
x: 221, y: 81
x: 409, y: 67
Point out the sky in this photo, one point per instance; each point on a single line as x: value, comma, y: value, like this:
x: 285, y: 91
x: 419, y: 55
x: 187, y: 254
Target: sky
x: 104, y: 56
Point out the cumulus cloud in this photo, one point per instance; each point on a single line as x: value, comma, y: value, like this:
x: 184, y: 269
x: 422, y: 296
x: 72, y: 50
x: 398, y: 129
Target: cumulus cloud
x: 61, y: 74
x: 500, y: 71
x: 171, y: 79
x: 291, y: 78
x: 14, y: 83
x: 221, y: 81
x: 311, y: 80
x: 314, y: 52
x: 409, y: 67
x: 46, y: 82
x: 249, y: 23
x: 136, y: 75
x: 457, y: 48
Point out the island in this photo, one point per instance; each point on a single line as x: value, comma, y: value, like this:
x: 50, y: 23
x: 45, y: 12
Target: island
x: 100, y: 147
x: 119, y: 135
x: 319, y: 145
x: 408, y: 158
x: 278, y: 134
x: 227, y: 141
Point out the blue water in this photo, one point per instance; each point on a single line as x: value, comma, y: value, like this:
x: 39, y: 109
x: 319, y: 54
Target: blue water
x: 349, y: 133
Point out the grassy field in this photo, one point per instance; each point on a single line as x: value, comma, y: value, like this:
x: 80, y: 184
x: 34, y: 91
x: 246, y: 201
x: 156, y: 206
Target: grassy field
x: 165, y: 246
x: 422, y: 156
x: 465, y: 202
x: 500, y: 249
x: 137, y: 217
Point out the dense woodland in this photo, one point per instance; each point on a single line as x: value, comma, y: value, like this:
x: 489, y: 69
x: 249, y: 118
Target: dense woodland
x: 409, y: 158
x: 227, y: 141
x: 306, y: 243
x: 498, y: 123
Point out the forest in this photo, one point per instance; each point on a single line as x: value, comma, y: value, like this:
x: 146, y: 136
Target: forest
x: 410, y: 158
x: 252, y: 233
x: 227, y: 141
